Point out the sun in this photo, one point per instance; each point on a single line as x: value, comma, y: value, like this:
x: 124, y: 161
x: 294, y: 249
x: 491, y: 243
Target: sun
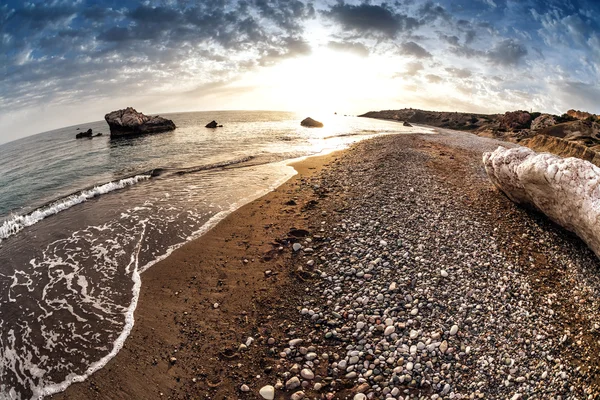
x: 324, y: 82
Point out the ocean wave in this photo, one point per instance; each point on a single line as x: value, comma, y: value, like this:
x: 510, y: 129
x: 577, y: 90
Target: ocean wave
x: 17, y: 223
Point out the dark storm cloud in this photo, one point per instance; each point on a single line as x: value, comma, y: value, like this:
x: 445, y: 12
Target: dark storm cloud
x: 369, y: 19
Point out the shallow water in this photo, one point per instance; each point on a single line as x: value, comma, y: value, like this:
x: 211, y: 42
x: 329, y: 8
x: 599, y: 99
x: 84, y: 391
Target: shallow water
x: 82, y: 219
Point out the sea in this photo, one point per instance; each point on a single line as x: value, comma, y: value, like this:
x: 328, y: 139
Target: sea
x: 82, y: 219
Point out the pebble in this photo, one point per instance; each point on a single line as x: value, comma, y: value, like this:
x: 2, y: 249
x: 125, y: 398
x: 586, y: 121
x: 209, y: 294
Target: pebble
x: 267, y: 392
x: 292, y: 383
x: 307, y: 374
x: 296, y: 246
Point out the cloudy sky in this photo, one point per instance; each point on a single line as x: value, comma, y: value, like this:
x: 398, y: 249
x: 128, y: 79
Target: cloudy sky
x: 68, y: 62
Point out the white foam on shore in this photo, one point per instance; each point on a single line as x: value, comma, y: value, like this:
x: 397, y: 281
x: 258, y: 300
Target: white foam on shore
x: 41, y: 392
x: 17, y: 223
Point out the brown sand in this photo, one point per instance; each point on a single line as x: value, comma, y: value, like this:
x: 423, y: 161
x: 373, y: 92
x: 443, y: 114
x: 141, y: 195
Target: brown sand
x: 181, y: 345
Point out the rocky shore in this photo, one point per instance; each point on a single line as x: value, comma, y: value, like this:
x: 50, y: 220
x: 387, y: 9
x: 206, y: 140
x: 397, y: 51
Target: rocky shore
x: 392, y: 270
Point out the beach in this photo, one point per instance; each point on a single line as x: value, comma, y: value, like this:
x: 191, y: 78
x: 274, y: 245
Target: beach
x: 415, y: 278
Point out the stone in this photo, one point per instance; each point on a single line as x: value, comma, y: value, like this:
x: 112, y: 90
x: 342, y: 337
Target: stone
x: 298, y: 395
x: 296, y: 246
x: 86, y: 134
x: 566, y: 190
x: 128, y: 121
x: 360, y: 396
x: 244, y: 388
x: 389, y: 330
x: 213, y: 124
x: 267, y: 392
x: 543, y: 121
x: 311, y: 123
x: 292, y: 383
x: 444, y: 346
x: 515, y: 120
x: 443, y: 273
x: 307, y: 374
x: 406, y: 123
x: 454, y: 330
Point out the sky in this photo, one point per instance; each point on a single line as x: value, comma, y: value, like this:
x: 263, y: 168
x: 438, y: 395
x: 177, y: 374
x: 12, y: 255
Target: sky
x: 69, y: 62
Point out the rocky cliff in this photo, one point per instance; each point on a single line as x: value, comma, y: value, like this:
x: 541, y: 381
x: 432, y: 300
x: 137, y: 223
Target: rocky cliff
x: 130, y: 122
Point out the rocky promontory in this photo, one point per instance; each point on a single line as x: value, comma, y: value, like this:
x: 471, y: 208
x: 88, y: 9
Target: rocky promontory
x: 128, y: 121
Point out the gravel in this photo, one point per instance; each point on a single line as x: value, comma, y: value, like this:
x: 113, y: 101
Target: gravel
x: 428, y: 283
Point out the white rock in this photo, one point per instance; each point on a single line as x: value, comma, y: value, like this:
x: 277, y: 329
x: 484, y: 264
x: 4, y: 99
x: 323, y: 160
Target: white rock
x: 567, y: 190
x: 443, y: 273
x: 389, y: 330
x: 307, y: 374
x: 296, y: 246
x: 360, y: 396
x: 295, y: 342
x: 267, y: 392
x: 244, y: 388
x: 292, y: 383
x: 454, y: 330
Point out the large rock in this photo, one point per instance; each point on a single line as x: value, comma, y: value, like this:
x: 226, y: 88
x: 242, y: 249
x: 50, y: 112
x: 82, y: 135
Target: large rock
x: 311, y: 123
x: 130, y: 122
x: 543, y: 121
x: 567, y: 190
x: 514, y: 120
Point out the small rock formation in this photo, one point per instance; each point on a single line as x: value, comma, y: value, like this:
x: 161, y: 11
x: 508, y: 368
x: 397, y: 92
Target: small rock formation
x: 213, y: 124
x: 581, y: 114
x: 567, y: 190
x: 311, y: 123
x: 512, y: 120
x: 86, y: 134
x: 407, y: 124
x: 130, y: 122
x: 543, y: 121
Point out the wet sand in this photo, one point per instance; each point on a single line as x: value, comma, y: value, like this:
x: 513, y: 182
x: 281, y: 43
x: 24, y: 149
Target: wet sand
x: 206, y: 298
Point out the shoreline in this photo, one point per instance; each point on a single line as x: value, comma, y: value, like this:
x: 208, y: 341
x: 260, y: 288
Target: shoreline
x: 203, y: 249
x: 215, y: 319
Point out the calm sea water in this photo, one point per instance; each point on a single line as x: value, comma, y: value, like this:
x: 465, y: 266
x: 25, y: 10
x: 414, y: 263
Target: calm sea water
x: 80, y: 220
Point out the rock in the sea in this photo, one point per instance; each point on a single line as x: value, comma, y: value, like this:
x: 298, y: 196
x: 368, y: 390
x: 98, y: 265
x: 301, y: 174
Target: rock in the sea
x: 86, y: 134
x: 543, y: 121
x: 130, y: 122
x: 407, y: 124
x: 567, y: 190
x: 311, y: 123
x: 213, y: 124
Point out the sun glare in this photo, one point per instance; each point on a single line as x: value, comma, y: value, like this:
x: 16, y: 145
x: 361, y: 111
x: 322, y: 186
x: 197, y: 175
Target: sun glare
x: 324, y: 82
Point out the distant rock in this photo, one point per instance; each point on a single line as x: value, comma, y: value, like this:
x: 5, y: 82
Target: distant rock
x: 86, y: 134
x: 311, y: 123
x: 130, y: 122
x: 98, y: 134
x: 213, y: 124
x: 581, y: 114
x: 512, y: 120
x: 543, y: 121
x: 407, y: 124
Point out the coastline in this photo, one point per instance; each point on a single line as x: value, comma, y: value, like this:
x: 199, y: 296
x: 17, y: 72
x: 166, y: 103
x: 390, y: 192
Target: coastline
x: 178, y: 293
x: 535, y: 282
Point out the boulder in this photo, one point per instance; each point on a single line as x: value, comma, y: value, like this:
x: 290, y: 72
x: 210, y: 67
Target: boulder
x: 407, y: 124
x: 86, y: 134
x: 311, y: 123
x: 514, y: 120
x: 130, y: 122
x: 567, y: 190
x: 543, y: 121
x: 213, y: 124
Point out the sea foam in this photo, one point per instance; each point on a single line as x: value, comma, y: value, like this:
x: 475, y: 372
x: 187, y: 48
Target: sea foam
x: 17, y: 223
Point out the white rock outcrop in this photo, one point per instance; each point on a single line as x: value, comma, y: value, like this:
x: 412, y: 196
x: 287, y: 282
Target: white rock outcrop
x: 567, y: 190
